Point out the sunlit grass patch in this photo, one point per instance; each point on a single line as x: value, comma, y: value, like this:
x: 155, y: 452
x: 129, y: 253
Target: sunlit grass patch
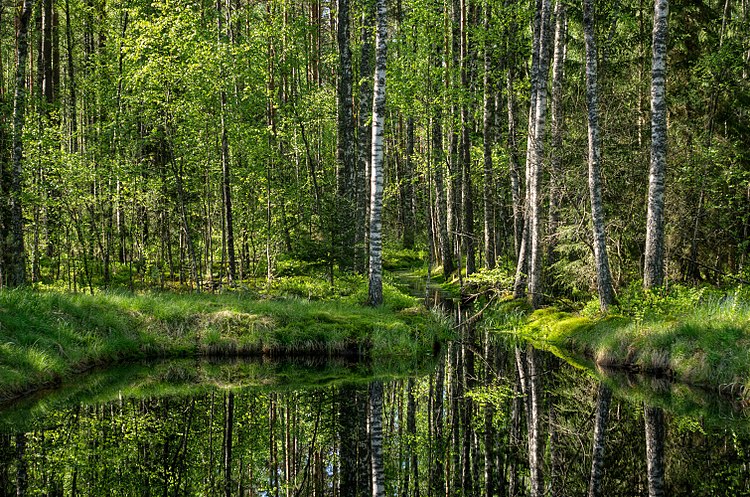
x: 698, y: 336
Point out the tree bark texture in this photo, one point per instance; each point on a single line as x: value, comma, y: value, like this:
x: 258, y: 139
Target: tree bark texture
x: 556, y: 152
x: 603, y: 275
x: 376, y: 175
x: 346, y: 154
x: 488, y: 136
x: 15, y: 257
x: 653, y: 271
x: 536, y: 157
x: 364, y: 138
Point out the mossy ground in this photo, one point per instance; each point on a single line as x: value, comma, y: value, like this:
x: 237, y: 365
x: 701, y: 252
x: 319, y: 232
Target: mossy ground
x: 697, y: 336
x: 46, y: 336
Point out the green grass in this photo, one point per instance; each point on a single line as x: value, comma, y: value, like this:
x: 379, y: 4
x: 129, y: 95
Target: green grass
x: 701, y: 337
x: 48, y: 336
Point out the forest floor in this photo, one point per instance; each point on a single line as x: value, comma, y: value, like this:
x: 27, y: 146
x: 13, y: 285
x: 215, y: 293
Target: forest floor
x: 698, y: 336
x: 48, y: 336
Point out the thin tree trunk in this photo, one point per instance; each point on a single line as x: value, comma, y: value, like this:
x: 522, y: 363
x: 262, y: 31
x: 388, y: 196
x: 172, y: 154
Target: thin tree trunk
x: 375, y: 296
x: 653, y: 271
x: 467, y: 194
x: 534, y: 200
x: 600, y: 433
x: 226, y: 187
x: 407, y: 187
x: 14, y: 247
x: 364, y: 148
x: 556, y: 152
x: 346, y: 145
x: 603, y: 275
x: 488, y: 135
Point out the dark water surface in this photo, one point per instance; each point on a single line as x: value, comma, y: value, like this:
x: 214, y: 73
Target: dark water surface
x: 499, y: 421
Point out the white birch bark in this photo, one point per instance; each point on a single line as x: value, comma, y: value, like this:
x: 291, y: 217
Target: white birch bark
x: 653, y: 271
x: 376, y: 175
x: 603, y: 275
x: 16, y: 257
x: 534, y: 201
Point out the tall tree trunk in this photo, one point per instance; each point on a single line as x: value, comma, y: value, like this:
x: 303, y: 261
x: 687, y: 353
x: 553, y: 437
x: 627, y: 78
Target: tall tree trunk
x: 654, y: 420
x: 364, y: 139
x: 376, y: 418
x: 467, y: 194
x: 603, y: 276
x: 653, y: 271
x: 375, y: 296
x: 438, y: 162
x: 488, y: 136
x: 15, y: 266
x: 226, y: 186
x: 600, y: 434
x: 346, y: 145
x: 534, y: 190
x: 407, y: 188
x: 556, y: 151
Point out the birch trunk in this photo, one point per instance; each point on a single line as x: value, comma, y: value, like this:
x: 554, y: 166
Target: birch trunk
x: 364, y: 139
x: 653, y: 271
x: 534, y: 200
x: 226, y: 184
x: 600, y: 432
x: 603, y: 276
x: 345, y: 149
x: 488, y: 135
x: 376, y: 175
x: 15, y: 258
x: 556, y: 172
x: 534, y: 420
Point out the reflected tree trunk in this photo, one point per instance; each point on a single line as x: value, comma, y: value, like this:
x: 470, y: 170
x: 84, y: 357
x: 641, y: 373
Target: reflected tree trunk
x: 534, y: 421
x: 376, y: 439
x: 21, y: 465
x: 600, y: 432
x: 654, y: 419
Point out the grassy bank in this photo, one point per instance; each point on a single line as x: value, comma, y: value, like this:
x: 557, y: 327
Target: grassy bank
x: 48, y: 336
x: 698, y: 336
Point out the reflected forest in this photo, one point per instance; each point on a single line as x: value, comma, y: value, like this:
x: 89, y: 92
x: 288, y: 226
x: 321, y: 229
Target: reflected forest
x: 464, y: 429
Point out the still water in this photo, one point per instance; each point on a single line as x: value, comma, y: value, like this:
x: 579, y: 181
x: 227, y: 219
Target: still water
x: 504, y: 420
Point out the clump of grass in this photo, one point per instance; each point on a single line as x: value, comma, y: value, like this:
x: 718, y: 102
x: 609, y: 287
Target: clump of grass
x: 698, y: 336
x: 46, y: 336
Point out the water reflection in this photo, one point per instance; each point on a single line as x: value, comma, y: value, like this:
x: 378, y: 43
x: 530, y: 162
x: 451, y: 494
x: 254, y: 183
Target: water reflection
x: 486, y: 421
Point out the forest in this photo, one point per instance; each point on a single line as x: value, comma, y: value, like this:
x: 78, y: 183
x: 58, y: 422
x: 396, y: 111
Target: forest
x: 187, y: 144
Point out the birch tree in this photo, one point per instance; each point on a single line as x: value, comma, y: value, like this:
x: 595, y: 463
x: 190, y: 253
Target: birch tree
x: 376, y: 175
x: 346, y: 146
x: 12, y: 246
x: 653, y: 271
x: 603, y: 276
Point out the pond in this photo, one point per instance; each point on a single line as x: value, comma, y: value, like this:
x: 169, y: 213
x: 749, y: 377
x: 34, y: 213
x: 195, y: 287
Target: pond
x: 466, y: 423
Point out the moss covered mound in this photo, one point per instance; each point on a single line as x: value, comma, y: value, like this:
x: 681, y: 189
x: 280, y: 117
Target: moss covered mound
x: 707, y: 344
